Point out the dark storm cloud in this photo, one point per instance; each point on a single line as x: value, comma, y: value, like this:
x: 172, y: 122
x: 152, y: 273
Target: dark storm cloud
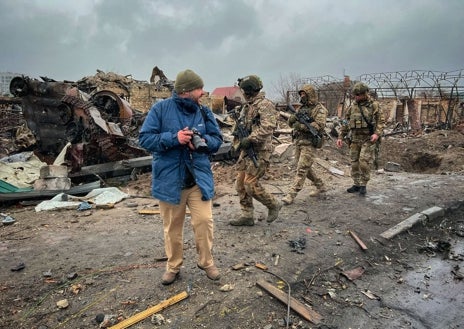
x: 223, y: 40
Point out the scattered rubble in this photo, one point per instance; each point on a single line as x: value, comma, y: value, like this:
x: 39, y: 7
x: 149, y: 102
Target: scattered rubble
x: 324, y: 263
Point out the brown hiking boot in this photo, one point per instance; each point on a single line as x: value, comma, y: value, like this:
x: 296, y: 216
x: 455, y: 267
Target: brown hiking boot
x: 288, y: 199
x: 273, y: 212
x: 242, y: 221
x: 212, y: 272
x: 169, y: 277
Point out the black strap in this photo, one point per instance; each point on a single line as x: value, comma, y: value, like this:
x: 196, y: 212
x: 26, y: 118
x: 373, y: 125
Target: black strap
x: 369, y: 125
x: 203, y: 113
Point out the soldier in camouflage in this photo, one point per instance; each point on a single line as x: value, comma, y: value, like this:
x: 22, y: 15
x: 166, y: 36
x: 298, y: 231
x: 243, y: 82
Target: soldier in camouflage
x: 304, y: 146
x: 365, y: 120
x: 259, y: 117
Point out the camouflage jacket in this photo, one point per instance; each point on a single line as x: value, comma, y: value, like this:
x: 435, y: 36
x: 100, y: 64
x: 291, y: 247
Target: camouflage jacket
x: 316, y: 112
x: 370, y: 121
x: 259, y: 116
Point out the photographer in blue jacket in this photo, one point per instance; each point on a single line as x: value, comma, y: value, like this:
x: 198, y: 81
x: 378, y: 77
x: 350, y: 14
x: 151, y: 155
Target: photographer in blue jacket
x: 182, y: 134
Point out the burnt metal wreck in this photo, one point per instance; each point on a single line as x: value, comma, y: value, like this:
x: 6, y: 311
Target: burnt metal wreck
x: 96, y: 128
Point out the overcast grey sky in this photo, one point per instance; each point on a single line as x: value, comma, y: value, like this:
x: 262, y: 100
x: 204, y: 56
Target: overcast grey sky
x: 223, y: 40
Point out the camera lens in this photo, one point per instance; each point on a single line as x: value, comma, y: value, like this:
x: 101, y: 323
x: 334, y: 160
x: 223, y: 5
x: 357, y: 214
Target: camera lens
x: 198, y: 143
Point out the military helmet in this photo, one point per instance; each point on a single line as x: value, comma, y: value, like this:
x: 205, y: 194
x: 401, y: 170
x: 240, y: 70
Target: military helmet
x: 360, y: 88
x: 310, y: 91
x: 250, y: 84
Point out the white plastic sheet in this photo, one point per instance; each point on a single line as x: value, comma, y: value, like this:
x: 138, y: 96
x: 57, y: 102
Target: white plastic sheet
x: 99, y: 197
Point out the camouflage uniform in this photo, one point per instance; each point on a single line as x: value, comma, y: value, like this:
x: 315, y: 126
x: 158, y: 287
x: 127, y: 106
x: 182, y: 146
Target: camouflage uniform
x: 304, y: 148
x: 362, y: 149
x: 260, y: 118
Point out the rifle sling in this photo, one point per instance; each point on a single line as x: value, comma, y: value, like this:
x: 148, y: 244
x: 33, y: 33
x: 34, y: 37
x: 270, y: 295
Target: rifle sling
x: 369, y: 125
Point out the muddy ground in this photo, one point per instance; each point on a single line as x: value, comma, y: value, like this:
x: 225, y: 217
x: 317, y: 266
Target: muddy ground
x: 107, y: 263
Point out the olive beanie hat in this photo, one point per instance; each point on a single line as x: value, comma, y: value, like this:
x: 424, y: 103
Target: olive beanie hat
x: 186, y: 81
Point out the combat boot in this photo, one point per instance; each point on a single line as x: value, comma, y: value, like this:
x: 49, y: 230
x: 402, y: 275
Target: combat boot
x: 242, y: 221
x: 288, y: 199
x: 273, y: 212
x: 362, y: 190
x: 353, y: 189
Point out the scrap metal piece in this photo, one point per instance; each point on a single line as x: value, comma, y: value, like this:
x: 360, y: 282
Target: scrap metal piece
x: 354, y: 273
x: 298, y: 245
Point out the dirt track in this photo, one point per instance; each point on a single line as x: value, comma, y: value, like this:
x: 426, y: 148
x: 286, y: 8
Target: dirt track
x: 115, y: 252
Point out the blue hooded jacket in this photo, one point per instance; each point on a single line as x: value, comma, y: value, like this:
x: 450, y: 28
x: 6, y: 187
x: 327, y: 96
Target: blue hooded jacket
x: 171, y: 159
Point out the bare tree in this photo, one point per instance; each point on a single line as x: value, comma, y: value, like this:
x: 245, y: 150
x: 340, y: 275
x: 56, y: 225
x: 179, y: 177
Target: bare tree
x: 280, y: 89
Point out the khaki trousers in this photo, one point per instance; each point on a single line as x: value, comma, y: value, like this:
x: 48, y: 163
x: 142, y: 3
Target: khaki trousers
x: 173, y: 216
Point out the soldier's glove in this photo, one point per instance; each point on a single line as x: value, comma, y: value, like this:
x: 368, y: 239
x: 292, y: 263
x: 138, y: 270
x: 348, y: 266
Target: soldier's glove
x: 291, y: 120
x: 245, y: 143
x: 297, y: 126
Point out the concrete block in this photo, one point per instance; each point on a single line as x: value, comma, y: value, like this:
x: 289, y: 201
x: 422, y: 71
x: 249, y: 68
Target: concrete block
x: 404, y: 225
x: 58, y: 183
x: 434, y: 212
x: 392, y: 166
x: 283, y: 152
x: 53, y: 171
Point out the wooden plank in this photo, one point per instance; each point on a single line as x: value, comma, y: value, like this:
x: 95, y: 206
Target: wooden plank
x: 358, y: 240
x: 147, y: 211
x: 295, y: 305
x: 261, y: 266
x: 150, y: 311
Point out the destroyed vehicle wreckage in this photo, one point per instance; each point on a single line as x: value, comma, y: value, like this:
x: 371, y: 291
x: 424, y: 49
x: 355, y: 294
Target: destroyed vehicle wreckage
x: 95, y: 128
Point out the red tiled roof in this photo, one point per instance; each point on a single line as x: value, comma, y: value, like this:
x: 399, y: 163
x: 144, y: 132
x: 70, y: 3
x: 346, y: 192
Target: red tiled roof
x: 228, y: 92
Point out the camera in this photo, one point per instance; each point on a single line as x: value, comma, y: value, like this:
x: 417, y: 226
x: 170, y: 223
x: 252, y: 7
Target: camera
x: 198, y: 143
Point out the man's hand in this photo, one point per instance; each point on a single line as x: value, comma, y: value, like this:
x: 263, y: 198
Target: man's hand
x: 339, y: 142
x: 184, y: 136
x: 292, y: 120
x: 374, y: 138
x: 245, y: 143
x: 297, y: 126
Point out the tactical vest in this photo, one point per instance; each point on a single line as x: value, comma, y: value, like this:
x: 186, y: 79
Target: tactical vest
x: 362, y: 120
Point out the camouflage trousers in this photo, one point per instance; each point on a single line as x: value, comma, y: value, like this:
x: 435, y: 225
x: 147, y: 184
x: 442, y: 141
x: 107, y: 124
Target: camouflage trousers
x: 362, y: 155
x: 305, y: 156
x: 248, y: 186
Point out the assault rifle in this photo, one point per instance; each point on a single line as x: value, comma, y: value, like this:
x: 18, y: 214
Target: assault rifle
x: 241, y: 132
x: 306, y: 120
